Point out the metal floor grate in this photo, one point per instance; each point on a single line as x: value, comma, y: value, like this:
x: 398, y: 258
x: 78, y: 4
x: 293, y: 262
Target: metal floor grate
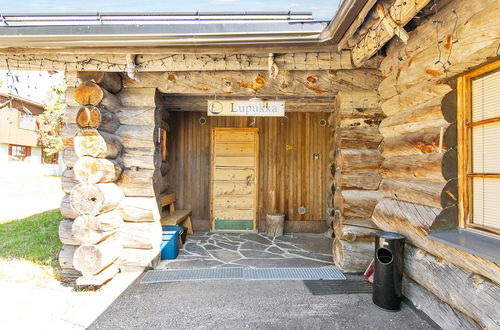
x: 176, y: 275
x: 320, y: 288
x: 325, y: 273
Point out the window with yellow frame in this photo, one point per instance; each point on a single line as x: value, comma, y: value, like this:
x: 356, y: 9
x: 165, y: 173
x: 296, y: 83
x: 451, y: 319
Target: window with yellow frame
x: 478, y: 125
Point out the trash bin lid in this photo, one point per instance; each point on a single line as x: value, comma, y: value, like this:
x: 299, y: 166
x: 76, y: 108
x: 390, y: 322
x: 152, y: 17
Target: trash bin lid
x: 390, y: 235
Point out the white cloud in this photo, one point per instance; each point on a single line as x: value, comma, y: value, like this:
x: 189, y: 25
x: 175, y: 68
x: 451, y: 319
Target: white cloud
x: 224, y: 2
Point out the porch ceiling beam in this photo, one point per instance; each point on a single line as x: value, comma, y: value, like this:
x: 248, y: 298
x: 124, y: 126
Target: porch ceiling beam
x: 257, y: 83
x: 178, y: 62
x: 199, y: 103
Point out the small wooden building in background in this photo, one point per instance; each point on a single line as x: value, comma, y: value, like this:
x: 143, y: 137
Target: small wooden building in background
x: 382, y: 131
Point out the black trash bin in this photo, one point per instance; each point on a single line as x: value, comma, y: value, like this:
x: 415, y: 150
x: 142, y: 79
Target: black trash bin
x: 388, y: 271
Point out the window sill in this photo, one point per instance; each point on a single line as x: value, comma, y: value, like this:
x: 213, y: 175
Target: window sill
x: 482, y: 245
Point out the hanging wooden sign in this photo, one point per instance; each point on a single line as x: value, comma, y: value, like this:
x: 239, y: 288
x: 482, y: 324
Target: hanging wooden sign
x: 246, y: 108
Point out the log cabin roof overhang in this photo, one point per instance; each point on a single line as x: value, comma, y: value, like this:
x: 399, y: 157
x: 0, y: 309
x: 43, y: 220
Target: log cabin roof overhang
x: 299, y: 31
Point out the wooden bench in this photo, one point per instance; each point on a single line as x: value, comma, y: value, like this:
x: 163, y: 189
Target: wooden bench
x: 173, y: 217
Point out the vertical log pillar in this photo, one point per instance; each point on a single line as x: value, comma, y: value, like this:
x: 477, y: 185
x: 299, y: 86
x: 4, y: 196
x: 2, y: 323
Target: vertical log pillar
x: 355, y: 180
x: 111, y: 213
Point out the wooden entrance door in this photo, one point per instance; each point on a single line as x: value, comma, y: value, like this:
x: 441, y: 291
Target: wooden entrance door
x: 234, y: 175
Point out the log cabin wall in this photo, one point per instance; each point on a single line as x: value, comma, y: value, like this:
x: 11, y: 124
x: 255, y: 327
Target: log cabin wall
x: 112, y: 180
x: 288, y: 173
x: 419, y: 168
x: 354, y: 181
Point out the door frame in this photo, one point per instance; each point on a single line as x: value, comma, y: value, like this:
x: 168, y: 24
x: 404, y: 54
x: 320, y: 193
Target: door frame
x: 211, y: 176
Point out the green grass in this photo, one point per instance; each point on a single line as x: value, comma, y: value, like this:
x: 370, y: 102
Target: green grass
x: 34, y: 238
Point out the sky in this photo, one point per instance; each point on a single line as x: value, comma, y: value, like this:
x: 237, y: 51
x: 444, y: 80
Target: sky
x: 321, y: 9
x: 32, y: 85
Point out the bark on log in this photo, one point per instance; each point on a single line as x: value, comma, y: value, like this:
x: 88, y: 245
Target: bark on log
x: 440, y: 312
x: 94, y: 117
x: 139, y: 209
x: 91, y: 259
x: 352, y: 257
x: 357, y: 179
x: 469, y: 293
x: 66, y: 209
x: 68, y: 180
x: 90, y: 142
x: 66, y: 234
x: 275, y: 225
x: 425, y: 167
x: 416, y: 192
x: 356, y: 203
x: 87, y: 198
x: 94, y: 170
x: 145, y: 235
x: 103, y: 222
x: 89, y: 93
x: 414, y: 221
x: 138, y: 136
x: 66, y: 256
x: 94, y: 282
x: 350, y: 159
x: 111, y: 81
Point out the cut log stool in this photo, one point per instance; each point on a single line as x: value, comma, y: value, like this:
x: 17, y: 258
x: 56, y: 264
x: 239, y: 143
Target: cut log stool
x: 275, y: 224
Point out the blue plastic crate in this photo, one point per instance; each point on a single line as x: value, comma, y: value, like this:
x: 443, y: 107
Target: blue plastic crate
x: 170, y: 242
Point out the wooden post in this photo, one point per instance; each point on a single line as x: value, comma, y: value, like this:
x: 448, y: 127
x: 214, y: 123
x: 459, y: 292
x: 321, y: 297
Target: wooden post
x: 275, y: 224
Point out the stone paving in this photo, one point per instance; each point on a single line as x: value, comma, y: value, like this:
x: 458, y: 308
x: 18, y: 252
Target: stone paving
x: 254, y: 250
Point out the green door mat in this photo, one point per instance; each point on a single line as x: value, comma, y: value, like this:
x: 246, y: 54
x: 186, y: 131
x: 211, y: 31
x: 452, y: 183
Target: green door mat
x: 233, y: 224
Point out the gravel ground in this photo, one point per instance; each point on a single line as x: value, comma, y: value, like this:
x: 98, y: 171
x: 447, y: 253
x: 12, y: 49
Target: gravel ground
x: 247, y: 304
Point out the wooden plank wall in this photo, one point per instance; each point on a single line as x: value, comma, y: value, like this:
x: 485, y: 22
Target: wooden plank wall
x: 297, y: 178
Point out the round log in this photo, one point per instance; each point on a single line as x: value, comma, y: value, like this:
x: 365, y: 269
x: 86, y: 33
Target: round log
x: 353, y: 233
x: 357, y: 179
x: 449, y: 166
x: 353, y: 221
x: 449, y: 106
x: 90, y: 142
x: 103, y: 222
x: 415, y: 192
x: 449, y: 194
x: 66, y: 209
x: 94, y: 170
x: 91, y: 259
x: 69, y: 156
x: 352, y: 257
x: 66, y: 256
x: 357, y: 203
x: 110, y: 81
x: 85, y: 235
x: 66, y: 234
x: 446, y: 219
x: 348, y: 159
x: 450, y: 136
x: 68, y: 181
x: 88, y: 93
x: 145, y: 235
x: 93, y: 117
x: 275, y: 224
x: 88, y: 198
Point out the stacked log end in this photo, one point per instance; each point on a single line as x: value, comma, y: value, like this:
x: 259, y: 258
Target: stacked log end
x: 109, y: 206
x: 355, y: 177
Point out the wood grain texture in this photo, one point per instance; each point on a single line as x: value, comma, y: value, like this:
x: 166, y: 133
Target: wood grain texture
x: 280, y: 169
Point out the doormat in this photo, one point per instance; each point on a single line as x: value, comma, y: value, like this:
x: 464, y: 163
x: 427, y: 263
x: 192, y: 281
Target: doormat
x: 240, y: 273
x: 321, y: 288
